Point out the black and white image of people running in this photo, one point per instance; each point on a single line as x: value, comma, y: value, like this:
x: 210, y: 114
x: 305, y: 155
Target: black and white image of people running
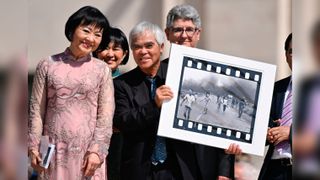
x: 217, y: 99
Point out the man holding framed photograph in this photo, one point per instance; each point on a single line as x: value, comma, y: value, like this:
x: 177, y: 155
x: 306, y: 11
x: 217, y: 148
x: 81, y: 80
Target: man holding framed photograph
x: 197, y: 161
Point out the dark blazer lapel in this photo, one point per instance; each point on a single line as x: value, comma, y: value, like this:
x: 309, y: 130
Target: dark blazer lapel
x: 140, y: 90
x: 141, y: 94
x: 280, y: 91
x: 279, y: 102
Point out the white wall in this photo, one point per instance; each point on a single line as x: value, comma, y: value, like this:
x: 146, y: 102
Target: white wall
x: 246, y: 28
x: 13, y: 31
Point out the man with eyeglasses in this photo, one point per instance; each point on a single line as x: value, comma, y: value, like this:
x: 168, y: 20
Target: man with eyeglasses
x: 196, y: 161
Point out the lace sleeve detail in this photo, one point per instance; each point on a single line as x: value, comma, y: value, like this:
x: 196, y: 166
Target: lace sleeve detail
x: 37, y: 106
x: 103, y: 130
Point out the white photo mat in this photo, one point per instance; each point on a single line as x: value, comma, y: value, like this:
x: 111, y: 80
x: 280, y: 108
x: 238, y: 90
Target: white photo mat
x: 230, y: 104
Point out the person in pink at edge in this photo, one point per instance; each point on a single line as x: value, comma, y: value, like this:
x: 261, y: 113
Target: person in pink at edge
x: 72, y: 103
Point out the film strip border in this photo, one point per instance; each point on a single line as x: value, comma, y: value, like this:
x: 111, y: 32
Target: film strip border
x: 222, y: 69
x: 213, y: 130
x: 228, y: 71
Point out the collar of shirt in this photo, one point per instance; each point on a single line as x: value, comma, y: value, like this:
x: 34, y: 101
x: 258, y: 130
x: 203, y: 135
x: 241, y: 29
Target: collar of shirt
x: 160, y: 76
x: 68, y: 56
x: 116, y: 73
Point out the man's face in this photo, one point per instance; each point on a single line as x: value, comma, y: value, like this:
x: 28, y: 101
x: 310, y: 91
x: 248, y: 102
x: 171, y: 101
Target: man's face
x: 146, y: 51
x: 183, y: 32
x: 289, y: 55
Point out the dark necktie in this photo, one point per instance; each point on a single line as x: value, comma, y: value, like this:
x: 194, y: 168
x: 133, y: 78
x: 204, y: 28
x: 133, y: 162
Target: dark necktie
x: 159, y: 153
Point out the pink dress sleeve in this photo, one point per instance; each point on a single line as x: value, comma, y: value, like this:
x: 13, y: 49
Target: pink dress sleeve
x: 103, y: 130
x: 37, y: 106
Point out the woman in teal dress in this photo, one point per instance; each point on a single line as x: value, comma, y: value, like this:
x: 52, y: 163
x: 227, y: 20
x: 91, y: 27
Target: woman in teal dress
x: 114, y: 54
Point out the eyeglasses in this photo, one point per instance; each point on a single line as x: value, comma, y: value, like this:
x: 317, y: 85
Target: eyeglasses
x: 178, y: 31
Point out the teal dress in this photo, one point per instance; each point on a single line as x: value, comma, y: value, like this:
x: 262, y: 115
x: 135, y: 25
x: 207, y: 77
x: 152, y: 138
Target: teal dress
x: 116, y: 73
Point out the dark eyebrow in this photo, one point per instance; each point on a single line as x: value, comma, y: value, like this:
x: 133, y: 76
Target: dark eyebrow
x: 136, y: 45
x: 88, y: 27
x: 91, y: 29
x: 149, y: 43
x: 117, y: 45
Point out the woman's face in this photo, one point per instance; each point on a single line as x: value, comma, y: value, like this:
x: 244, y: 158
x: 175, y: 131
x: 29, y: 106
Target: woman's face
x: 112, y: 55
x: 86, y: 39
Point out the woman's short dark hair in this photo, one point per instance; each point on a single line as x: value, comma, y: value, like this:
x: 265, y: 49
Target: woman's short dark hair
x: 287, y: 42
x: 85, y: 16
x: 119, y: 39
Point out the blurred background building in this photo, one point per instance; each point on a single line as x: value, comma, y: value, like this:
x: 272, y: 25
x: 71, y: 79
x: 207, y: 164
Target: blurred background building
x: 304, y: 15
x: 254, y: 29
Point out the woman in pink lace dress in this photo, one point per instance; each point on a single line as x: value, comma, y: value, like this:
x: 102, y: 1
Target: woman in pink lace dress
x: 72, y: 103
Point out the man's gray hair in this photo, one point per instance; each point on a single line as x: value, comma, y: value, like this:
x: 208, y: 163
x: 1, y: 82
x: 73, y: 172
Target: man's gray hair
x: 184, y: 11
x: 145, y: 26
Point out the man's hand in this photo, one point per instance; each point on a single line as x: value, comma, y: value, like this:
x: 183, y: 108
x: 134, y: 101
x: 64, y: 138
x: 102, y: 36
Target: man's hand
x: 270, y: 138
x: 91, y: 162
x: 163, y: 93
x: 278, y: 134
x: 35, y: 161
x: 234, y: 149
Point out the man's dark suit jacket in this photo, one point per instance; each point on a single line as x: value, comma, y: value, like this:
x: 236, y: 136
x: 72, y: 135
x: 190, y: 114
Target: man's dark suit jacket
x: 278, y: 98
x: 137, y: 117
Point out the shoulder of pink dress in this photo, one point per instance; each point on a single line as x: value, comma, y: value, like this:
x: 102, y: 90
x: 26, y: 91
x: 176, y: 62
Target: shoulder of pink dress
x: 99, y: 62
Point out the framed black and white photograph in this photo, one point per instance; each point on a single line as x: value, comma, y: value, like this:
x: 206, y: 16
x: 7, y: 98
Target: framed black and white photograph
x: 218, y: 99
